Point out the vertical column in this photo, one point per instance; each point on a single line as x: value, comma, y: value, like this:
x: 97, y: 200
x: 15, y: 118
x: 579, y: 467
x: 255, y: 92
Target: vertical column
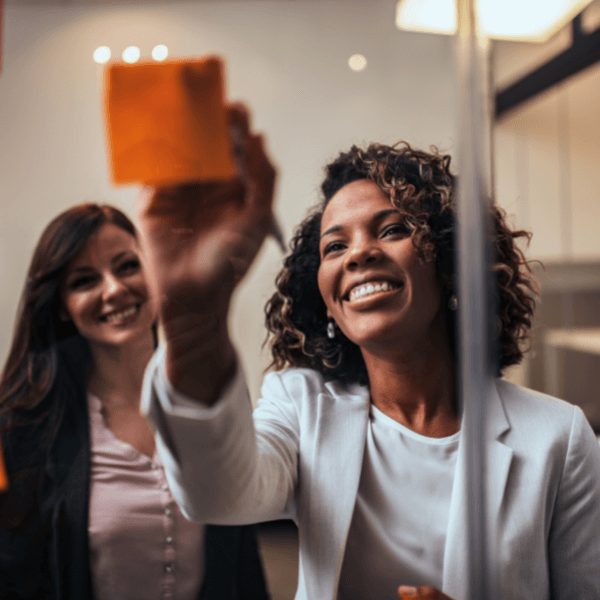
x: 476, y: 294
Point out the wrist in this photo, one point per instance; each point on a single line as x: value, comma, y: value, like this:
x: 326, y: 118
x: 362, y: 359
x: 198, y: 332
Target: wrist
x: 200, y: 358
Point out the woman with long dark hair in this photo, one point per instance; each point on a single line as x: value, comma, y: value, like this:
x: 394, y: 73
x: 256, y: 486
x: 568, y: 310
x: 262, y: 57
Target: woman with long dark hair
x: 357, y: 434
x: 89, y: 512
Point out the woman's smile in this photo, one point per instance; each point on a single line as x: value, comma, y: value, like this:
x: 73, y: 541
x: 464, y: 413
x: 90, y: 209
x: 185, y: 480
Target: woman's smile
x: 123, y: 316
x: 372, y: 289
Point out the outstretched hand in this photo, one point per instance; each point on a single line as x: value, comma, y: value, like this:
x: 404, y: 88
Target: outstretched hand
x: 426, y: 592
x: 200, y: 240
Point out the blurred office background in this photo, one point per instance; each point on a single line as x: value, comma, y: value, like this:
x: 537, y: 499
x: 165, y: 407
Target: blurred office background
x: 289, y: 60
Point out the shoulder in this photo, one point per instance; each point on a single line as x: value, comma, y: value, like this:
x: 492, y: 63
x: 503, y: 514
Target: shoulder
x: 295, y: 380
x: 302, y: 385
x: 524, y: 402
x: 544, y: 422
x: 300, y: 395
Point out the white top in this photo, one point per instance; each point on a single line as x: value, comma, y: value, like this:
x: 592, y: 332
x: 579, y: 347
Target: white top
x: 141, y: 545
x: 398, y: 530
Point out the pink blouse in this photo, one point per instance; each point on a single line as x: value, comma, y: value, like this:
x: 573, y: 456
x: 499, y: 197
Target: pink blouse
x: 141, y: 545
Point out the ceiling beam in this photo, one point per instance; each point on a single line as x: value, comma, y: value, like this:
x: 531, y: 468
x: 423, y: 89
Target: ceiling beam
x: 584, y: 52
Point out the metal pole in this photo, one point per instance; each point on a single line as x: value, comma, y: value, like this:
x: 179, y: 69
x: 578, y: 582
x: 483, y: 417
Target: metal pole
x: 475, y: 291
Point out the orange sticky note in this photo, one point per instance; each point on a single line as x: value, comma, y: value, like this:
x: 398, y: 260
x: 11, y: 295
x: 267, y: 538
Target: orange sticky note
x: 3, y: 476
x: 167, y: 122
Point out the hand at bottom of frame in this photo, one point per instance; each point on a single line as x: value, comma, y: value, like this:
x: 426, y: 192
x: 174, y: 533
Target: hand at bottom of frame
x: 426, y: 592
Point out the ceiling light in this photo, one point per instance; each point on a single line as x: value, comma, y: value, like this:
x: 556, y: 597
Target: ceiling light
x: 102, y: 54
x: 160, y: 52
x: 525, y: 20
x: 131, y: 54
x: 357, y: 62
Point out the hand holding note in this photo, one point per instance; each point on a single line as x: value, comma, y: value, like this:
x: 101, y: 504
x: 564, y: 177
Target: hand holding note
x: 206, y: 207
x: 201, y: 239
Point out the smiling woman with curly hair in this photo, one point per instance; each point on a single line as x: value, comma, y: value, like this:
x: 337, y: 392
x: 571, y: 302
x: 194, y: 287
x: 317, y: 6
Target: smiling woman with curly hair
x: 357, y: 434
x: 422, y: 188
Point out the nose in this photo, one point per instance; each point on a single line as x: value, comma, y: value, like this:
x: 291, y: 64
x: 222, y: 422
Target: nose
x: 112, y: 287
x: 362, y: 253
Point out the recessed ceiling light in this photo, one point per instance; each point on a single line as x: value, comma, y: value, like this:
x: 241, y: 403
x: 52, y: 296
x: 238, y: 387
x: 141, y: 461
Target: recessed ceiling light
x: 131, y: 54
x: 357, y: 62
x: 160, y: 52
x: 102, y: 54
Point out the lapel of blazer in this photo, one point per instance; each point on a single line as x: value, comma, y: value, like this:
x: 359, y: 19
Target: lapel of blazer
x: 339, y: 463
x: 68, y: 467
x: 498, y: 460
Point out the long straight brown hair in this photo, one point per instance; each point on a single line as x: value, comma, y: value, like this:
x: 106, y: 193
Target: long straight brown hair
x: 48, y: 360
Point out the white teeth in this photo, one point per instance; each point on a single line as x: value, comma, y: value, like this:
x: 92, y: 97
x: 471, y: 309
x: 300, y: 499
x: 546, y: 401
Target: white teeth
x: 121, y: 315
x: 371, y: 288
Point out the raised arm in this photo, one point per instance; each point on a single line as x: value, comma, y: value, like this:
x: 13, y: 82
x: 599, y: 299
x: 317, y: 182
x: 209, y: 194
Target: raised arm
x: 200, y: 239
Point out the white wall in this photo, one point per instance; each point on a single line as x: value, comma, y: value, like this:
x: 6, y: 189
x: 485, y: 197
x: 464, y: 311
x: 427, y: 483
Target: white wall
x: 286, y: 59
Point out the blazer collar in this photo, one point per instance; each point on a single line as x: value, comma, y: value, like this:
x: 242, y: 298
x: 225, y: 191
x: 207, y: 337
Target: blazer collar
x: 497, y: 466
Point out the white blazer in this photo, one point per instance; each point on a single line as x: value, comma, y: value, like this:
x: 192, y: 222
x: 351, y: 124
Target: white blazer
x: 302, y: 460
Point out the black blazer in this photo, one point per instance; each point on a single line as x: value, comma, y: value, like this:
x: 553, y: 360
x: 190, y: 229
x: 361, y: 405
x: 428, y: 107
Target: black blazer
x: 44, y: 551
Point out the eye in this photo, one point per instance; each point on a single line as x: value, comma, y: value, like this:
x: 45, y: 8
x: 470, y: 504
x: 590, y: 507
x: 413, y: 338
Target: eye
x: 81, y: 282
x: 333, y: 247
x: 395, y: 229
x: 131, y: 265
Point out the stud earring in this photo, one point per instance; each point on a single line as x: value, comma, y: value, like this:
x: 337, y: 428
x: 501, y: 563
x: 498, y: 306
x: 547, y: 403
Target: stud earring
x: 330, y: 329
x: 453, y: 302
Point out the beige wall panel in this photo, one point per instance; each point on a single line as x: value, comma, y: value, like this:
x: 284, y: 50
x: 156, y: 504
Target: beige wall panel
x: 527, y: 168
x: 583, y: 103
x: 511, y: 171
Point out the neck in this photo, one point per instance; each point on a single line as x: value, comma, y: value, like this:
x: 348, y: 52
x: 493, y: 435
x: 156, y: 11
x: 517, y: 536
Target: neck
x: 118, y: 371
x: 416, y: 388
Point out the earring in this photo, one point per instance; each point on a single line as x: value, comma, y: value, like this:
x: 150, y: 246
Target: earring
x: 453, y: 302
x: 331, y: 329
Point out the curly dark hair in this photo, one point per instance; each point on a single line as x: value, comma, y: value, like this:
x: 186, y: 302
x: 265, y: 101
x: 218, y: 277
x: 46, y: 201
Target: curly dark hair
x: 422, y: 188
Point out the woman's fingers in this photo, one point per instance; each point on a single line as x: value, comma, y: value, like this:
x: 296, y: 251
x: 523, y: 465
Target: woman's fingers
x: 239, y: 117
x: 260, y: 170
x: 260, y: 186
x: 425, y: 592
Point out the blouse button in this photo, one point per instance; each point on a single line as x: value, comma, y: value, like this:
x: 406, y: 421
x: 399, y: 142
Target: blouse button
x: 165, y: 487
x: 169, y: 539
x: 168, y: 512
x: 168, y: 568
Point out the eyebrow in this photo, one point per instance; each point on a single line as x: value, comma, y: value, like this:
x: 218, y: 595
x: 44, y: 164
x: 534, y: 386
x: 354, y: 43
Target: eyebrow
x: 378, y: 216
x: 115, y: 259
